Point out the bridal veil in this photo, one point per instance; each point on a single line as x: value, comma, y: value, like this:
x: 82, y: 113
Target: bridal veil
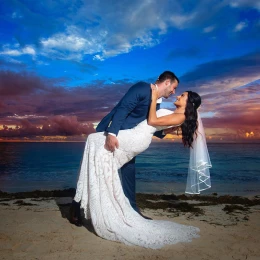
x: 198, y: 173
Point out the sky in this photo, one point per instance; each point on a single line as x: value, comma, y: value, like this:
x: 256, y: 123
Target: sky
x: 64, y: 64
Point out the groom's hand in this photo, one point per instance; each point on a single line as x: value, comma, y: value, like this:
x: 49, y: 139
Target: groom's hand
x: 171, y: 130
x: 111, y: 143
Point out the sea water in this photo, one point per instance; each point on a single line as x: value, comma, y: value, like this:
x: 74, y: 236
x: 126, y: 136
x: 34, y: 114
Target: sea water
x: 162, y: 168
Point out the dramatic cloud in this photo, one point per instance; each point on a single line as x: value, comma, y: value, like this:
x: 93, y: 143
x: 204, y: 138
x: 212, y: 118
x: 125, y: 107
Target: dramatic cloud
x: 105, y: 29
x: 230, y: 91
x: 40, y: 110
x: 56, y: 125
x: 28, y: 96
x: 16, y: 84
x: 235, y: 111
x: 223, y: 74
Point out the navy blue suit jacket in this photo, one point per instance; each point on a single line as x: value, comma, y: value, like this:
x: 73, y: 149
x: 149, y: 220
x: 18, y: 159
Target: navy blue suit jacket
x: 132, y: 109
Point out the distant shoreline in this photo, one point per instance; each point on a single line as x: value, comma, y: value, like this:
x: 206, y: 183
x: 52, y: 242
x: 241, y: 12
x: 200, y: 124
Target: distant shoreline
x: 154, y: 141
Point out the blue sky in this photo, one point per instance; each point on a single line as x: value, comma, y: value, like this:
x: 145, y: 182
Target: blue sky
x: 92, y: 46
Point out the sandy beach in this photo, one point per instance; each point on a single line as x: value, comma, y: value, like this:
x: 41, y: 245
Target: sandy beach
x: 34, y: 225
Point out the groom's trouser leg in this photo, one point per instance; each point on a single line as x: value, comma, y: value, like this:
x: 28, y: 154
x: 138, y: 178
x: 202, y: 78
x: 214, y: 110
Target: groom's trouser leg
x: 128, y: 182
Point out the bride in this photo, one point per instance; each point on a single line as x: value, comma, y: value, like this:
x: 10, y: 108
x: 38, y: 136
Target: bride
x: 100, y: 191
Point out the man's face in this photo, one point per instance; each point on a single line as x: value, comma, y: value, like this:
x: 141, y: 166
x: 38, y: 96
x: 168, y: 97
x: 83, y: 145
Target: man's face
x: 169, y: 88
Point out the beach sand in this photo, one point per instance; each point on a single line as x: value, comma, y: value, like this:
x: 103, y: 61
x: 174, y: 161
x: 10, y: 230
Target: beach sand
x: 37, y: 227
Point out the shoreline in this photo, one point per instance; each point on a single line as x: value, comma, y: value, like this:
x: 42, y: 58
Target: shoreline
x: 146, y: 187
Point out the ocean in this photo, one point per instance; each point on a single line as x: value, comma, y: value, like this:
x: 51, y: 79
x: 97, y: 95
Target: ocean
x: 160, y: 169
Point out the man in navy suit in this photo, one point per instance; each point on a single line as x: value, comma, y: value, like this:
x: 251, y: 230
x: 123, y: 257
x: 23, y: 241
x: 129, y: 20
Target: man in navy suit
x: 132, y: 109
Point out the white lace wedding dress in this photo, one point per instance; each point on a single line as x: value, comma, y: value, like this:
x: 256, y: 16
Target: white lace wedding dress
x: 102, y: 198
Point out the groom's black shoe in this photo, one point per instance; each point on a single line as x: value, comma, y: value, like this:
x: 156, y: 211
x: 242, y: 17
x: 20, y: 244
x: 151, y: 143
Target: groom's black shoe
x: 144, y: 216
x: 139, y: 212
x: 75, y: 216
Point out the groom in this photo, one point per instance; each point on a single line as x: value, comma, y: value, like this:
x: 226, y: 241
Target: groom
x: 132, y: 109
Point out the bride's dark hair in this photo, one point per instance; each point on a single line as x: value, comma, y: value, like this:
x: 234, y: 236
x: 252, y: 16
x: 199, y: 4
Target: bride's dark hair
x: 190, y: 124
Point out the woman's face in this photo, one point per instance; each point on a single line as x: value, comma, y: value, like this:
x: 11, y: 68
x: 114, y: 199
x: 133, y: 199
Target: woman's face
x: 181, y: 100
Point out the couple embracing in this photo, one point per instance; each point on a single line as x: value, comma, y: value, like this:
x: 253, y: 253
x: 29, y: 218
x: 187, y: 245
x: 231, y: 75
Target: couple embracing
x: 121, y: 135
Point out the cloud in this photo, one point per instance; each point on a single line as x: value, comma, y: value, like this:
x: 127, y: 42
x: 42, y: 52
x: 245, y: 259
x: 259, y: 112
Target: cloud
x: 75, y: 43
x: 233, y: 122
x: 103, y: 30
x: 230, y: 91
x: 29, y: 50
x: 45, y: 109
x: 71, y: 45
x: 219, y: 75
x: 14, y: 84
x: 10, y: 63
x: 98, y: 57
x: 182, y: 21
x: 232, y: 113
x: 208, y: 29
x: 15, y: 116
x: 16, y: 15
x: 240, y: 26
x: 66, y: 42
x: 245, y: 3
x: 27, y: 96
x: 56, y: 125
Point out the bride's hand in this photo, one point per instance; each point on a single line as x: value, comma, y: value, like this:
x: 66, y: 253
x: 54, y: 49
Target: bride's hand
x: 154, y: 93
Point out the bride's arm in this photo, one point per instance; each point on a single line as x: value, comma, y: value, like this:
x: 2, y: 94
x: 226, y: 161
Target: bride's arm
x: 169, y: 120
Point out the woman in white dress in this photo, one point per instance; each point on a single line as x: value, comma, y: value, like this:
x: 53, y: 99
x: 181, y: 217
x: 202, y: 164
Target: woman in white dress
x: 99, y: 188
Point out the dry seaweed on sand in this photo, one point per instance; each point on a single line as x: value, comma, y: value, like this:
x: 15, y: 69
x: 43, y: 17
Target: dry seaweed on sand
x: 232, y: 208
x: 168, y: 202
x: 39, y: 194
x: 23, y: 203
x: 225, y: 199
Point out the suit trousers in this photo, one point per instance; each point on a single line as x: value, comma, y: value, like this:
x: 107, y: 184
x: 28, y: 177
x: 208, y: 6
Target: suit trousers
x: 128, y: 182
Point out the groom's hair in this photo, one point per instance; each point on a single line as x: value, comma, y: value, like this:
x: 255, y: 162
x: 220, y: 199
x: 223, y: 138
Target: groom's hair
x: 168, y: 75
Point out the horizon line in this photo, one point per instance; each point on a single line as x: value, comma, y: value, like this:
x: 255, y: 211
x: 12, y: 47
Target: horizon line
x: 156, y: 141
